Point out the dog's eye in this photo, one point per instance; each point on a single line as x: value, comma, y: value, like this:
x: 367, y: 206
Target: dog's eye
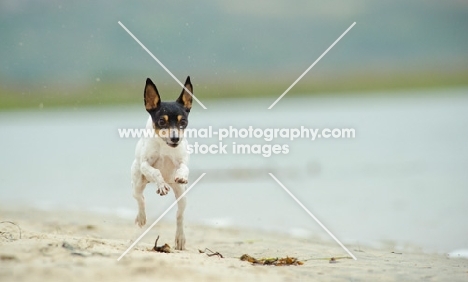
x: 162, y: 122
x: 183, y: 123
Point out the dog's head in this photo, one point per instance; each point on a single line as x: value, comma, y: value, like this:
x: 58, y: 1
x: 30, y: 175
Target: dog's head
x: 169, y: 118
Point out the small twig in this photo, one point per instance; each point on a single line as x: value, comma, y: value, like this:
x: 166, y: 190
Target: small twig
x: 156, y: 243
x: 359, y: 249
x: 10, y: 222
x: 212, y: 253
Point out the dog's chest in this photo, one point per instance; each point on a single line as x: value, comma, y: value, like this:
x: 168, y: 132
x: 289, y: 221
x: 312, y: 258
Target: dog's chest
x: 168, y: 161
x: 166, y: 166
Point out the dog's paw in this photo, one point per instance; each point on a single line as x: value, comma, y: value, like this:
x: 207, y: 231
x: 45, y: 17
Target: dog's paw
x: 180, y: 241
x: 181, y: 176
x: 181, y: 179
x: 140, y: 219
x: 163, y: 189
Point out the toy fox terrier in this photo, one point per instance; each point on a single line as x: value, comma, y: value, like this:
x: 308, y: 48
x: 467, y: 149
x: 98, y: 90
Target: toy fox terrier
x: 163, y: 159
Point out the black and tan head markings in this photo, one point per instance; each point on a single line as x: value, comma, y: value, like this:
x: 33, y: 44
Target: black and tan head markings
x: 169, y: 118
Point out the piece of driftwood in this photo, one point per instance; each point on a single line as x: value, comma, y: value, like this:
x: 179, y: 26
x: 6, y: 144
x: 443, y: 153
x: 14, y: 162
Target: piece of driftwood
x: 272, y: 261
x: 161, y: 249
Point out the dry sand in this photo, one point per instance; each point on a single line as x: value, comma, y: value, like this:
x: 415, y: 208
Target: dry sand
x: 79, y: 246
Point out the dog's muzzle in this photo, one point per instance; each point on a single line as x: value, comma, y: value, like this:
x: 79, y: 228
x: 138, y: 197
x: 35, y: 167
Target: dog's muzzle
x: 174, y: 137
x: 172, y: 142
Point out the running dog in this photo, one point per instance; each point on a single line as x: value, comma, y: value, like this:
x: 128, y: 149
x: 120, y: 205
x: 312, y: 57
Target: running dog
x: 163, y: 158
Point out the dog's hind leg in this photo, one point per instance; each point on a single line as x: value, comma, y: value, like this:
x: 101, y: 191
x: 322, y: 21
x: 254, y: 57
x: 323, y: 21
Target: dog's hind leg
x: 139, y: 183
x: 179, y: 189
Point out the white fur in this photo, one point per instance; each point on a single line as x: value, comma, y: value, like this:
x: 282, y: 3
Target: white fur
x: 157, y: 162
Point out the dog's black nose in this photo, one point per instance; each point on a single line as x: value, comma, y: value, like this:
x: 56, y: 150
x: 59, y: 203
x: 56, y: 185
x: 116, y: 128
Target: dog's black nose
x: 174, y: 139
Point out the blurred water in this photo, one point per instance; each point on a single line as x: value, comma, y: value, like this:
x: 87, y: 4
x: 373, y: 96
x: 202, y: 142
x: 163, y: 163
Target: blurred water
x: 402, y: 179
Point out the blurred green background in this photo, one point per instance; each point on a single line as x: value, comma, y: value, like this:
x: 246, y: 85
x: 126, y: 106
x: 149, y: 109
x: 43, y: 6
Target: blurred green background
x: 64, y: 53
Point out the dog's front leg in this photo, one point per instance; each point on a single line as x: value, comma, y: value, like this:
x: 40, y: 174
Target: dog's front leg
x: 181, y: 175
x: 154, y: 175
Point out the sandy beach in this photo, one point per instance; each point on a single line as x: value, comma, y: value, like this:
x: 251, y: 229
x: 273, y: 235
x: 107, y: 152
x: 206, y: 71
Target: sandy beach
x: 77, y: 246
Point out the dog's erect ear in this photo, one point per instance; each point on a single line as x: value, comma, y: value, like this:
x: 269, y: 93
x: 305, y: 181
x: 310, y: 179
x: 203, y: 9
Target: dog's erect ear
x: 185, y: 98
x: 152, y: 99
